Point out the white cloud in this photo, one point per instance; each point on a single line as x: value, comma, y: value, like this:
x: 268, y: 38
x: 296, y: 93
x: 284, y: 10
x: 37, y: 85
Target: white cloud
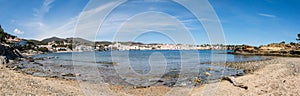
x: 18, y: 31
x: 267, y: 15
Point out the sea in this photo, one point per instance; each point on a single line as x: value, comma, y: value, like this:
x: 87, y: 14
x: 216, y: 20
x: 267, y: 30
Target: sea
x: 143, y: 67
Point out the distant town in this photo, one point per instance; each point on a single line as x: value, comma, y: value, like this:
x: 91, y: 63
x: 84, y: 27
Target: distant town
x: 55, y: 44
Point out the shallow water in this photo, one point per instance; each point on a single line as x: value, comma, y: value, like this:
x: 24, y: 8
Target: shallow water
x: 144, y: 68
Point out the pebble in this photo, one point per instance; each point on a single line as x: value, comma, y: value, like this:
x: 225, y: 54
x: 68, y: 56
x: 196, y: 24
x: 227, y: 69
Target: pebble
x: 209, y: 69
x: 207, y: 74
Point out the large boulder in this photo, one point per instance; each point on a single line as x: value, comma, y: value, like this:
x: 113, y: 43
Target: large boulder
x: 9, y: 52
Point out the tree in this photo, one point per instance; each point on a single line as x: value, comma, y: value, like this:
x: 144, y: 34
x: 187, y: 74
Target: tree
x: 298, y: 37
x: 3, y: 35
x: 1, y: 30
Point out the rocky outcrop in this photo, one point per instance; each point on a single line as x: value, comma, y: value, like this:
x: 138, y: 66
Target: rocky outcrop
x: 275, y: 49
x: 9, y: 53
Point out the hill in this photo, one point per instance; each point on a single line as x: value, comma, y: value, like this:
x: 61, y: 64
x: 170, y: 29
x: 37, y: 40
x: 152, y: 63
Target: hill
x: 79, y: 41
x: 52, y: 39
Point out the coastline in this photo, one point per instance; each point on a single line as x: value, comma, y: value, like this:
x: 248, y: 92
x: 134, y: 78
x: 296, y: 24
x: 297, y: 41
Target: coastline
x: 16, y: 83
x: 263, y: 54
x: 275, y: 79
x: 273, y: 75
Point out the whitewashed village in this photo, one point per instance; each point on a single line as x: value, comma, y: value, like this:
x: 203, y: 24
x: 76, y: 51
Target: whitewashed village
x: 66, y: 46
x: 55, y: 44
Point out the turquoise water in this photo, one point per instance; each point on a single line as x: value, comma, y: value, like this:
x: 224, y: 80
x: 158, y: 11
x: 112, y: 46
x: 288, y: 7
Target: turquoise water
x: 143, y: 67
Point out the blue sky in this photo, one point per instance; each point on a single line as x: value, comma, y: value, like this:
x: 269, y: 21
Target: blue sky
x: 253, y: 22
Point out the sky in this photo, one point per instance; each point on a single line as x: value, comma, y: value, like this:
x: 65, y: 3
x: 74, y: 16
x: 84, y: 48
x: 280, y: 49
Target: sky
x: 253, y: 22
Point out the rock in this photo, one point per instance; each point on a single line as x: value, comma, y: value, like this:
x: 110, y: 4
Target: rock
x: 16, y: 68
x: 38, y: 63
x: 30, y: 59
x: 135, y: 87
x: 209, y: 69
x: 207, y: 74
x: 9, y: 52
x: 68, y: 74
x: 274, y: 49
x: 78, y: 74
x: 240, y: 74
x: 53, y: 76
x: 199, y: 80
x: 3, y: 60
x: 160, y: 81
x: 11, y: 61
x: 39, y: 58
x: 183, y: 84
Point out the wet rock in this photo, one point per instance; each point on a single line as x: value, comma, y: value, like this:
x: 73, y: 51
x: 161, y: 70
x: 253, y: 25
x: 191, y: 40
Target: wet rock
x: 171, y: 74
x: 9, y: 52
x: 39, y: 58
x: 240, y: 74
x: 53, y: 76
x: 60, y: 65
x: 136, y: 87
x: 38, y: 63
x: 209, y: 69
x: 169, y: 84
x: 52, y: 57
x: 30, y: 59
x: 160, y: 81
x: 68, y: 74
x: 17, y: 68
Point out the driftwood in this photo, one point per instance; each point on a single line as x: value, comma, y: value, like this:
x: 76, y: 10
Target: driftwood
x: 234, y: 82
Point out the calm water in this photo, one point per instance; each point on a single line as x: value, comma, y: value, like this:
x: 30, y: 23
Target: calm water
x: 145, y: 67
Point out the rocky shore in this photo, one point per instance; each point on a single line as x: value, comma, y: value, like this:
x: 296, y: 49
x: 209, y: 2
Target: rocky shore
x: 8, y: 53
x: 274, y: 49
x: 266, y: 77
x: 247, y: 66
x: 272, y: 76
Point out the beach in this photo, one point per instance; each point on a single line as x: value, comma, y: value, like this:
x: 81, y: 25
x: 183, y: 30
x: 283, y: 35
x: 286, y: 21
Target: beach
x: 149, y: 48
x: 280, y: 78
x: 14, y: 83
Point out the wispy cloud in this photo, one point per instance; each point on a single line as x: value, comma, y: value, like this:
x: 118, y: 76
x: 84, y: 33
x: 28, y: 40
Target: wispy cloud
x: 37, y: 24
x: 87, y: 22
x: 18, y: 31
x: 150, y: 22
x: 267, y: 15
x: 39, y: 13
